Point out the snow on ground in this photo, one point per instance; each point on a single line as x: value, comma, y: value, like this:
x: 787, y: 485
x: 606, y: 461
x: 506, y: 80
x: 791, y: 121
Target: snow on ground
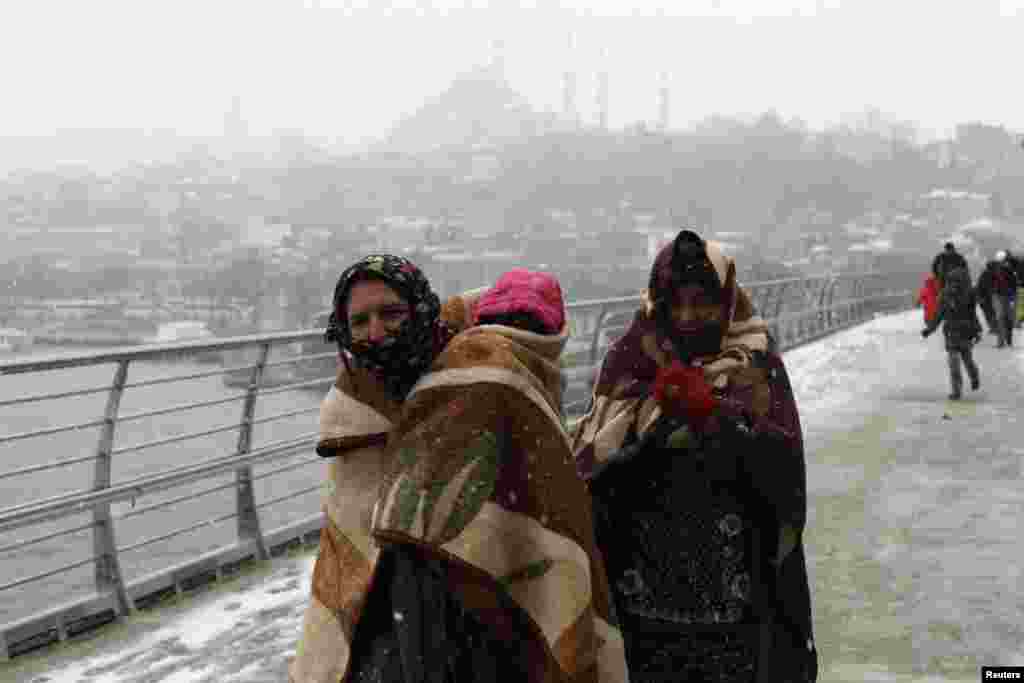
x: 241, y: 633
x: 237, y: 634
x: 829, y: 373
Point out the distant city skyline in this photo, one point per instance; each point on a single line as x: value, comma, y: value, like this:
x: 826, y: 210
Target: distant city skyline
x: 348, y: 74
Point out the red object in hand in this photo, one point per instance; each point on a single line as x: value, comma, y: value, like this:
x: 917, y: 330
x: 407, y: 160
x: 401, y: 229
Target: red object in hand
x: 682, y: 391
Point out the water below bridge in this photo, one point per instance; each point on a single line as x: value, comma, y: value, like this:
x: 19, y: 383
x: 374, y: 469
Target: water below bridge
x: 66, y: 549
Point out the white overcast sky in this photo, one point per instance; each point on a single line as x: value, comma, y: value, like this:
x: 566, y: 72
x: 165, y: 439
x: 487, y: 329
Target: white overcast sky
x: 348, y: 69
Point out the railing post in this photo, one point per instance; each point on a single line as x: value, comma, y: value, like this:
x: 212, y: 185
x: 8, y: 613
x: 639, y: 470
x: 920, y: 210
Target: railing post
x: 595, y: 338
x: 779, y: 290
x: 859, y: 288
x: 830, y: 303
x: 248, y: 518
x: 823, y: 312
x: 109, y: 577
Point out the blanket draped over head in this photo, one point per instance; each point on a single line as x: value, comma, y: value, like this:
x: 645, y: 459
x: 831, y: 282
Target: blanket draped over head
x: 475, y: 469
x: 483, y: 477
x: 747, y: 372
x: 623, y: 393
x: 355, y: 418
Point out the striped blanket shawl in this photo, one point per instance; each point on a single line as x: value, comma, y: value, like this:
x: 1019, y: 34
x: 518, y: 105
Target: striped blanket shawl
x: 519, y: 525
x: 483, y: 477
x: 356, y: 417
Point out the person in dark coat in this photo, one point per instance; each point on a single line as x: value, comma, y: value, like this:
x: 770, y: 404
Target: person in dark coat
x: 693, y: 451
x: 1017, y: 266
x: 1004, y: 296
x: 983, y: 294
x: 946, y: 260
x: 960, y: 326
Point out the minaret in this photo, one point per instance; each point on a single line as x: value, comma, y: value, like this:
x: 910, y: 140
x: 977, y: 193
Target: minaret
x: 602, y: 100
x: 497, y: 65
x: 602, y: 92
x: 234, y: 123
x: 663, y: 102
x: 569, y: 112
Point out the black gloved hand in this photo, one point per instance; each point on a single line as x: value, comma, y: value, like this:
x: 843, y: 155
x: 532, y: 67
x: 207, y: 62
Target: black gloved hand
x: 724, y: 451
x: 653, y: 438
x: 925, y: 333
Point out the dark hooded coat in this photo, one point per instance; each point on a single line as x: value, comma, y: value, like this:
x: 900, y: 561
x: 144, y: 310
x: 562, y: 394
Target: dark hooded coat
x: 946, y: 261
x: 702, y: 532
x: 958, y: 313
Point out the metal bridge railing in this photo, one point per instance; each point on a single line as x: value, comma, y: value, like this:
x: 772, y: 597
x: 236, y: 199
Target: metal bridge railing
x: 285, y: 367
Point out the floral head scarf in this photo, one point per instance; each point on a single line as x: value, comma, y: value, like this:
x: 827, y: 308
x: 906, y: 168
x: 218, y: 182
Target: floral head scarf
x: 401, y: 359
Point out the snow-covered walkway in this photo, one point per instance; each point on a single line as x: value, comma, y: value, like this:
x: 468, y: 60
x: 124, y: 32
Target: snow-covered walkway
x: 914, y: 538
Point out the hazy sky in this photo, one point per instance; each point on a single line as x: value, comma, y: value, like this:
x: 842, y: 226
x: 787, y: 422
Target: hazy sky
x: 349, y: 69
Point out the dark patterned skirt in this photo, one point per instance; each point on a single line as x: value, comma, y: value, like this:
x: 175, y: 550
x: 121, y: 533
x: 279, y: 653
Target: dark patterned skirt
x: 661, y: 652
x: 682, y: 556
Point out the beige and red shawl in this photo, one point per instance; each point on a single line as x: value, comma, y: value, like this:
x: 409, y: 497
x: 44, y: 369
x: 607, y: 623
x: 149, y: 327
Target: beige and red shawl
x: 623, y: 400
x: 623, y: 397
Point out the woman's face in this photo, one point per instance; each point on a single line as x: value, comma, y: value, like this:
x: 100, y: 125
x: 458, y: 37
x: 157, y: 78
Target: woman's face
x: 693, y: 307
x: 375, y: 311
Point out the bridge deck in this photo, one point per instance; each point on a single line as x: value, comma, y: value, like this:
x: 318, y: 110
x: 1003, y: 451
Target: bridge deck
x: 914, y: 539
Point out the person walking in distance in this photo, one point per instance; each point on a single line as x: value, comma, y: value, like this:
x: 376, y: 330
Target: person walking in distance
x: 1004, y: 294
x: 928, y: 297
x: 961, y: 328
x: 984, y: 294
x: 946, y: 260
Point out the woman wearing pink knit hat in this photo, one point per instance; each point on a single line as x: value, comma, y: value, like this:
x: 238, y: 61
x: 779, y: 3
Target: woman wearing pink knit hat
x: 483, y: 489
x: 524, y: 298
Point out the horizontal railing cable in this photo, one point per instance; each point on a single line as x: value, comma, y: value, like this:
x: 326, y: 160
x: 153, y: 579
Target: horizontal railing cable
x: 295, y: 360
x: 176, y: 532
x: 181, y: 407
x: 46, y: 537
x: 174, y: 501
x: 286, y: 468
x: 46, y: 466
x: 177, y: 378
x: 134, y: 448
x: 289, y: 496
x: 35, y: 398
x: 49, y: 431
x: 297, y: 385
x: 47, y: 574
x: 151, y: 352
x: 281, y: 416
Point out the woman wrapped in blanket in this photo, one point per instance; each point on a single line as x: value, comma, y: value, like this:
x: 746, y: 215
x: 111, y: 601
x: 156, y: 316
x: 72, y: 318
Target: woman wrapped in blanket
x: 468, y: 541
x: 693, y: 451
x: 389, y: 326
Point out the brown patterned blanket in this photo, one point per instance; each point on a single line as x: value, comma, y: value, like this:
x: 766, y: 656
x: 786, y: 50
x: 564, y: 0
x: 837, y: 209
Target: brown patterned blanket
x: 355, y: 419
x: 484, y: 478
x: 476, y: 469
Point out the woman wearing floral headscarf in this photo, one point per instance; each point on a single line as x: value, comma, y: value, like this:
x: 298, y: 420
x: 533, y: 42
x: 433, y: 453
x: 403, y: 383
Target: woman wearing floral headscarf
x: 693, y: 450
x: 389, y: 326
